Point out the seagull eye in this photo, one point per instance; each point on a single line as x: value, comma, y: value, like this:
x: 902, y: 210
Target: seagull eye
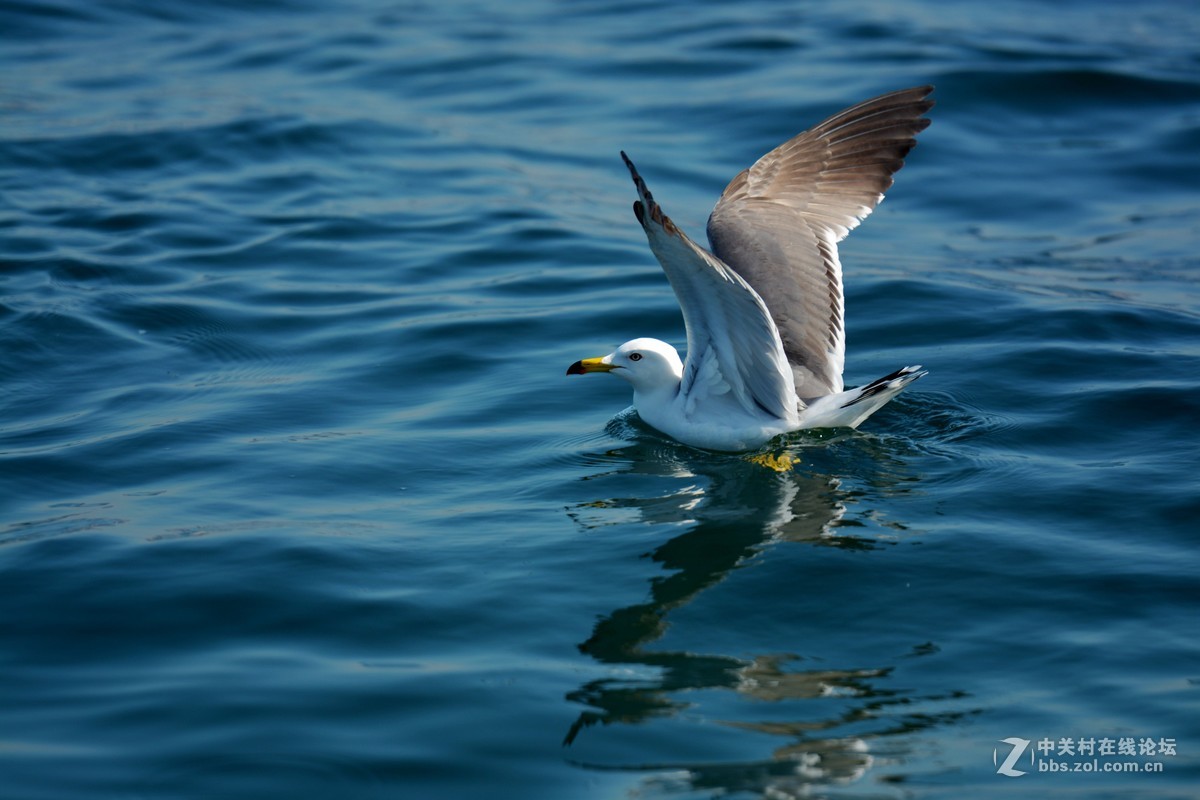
x: 635, y: 356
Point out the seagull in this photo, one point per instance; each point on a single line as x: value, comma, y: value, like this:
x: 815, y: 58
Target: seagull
x: 763, y: 307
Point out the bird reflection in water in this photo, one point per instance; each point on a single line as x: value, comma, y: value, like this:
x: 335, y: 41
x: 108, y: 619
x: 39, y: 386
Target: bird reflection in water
x: 735, y: 511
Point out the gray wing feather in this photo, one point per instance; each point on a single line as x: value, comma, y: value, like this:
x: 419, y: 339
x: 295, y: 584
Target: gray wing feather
x: 778, y: 223
x: 732, y: 341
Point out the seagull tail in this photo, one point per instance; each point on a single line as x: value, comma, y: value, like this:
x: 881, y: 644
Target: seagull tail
x: 849, y: 408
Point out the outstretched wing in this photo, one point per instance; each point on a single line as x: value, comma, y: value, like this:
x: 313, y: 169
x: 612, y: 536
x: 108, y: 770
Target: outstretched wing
x: 733, y: 346
x: 778, y: 223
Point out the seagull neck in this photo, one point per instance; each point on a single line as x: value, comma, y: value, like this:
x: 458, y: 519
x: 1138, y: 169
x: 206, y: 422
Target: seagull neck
x: 658, y: 393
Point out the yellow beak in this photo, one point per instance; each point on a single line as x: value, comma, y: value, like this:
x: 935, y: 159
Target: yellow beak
x: 589, y: 365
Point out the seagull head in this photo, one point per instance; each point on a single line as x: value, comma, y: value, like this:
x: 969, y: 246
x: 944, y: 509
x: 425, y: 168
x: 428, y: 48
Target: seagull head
x: 649, y: 364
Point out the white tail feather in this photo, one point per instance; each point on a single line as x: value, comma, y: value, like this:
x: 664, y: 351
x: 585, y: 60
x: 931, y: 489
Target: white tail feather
x: 848, y: 409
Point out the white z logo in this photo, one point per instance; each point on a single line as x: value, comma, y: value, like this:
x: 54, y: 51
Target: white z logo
x: 1018, y: 749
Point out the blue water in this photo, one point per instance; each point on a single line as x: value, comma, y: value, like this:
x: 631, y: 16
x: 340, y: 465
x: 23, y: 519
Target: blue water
x: 297, y: 502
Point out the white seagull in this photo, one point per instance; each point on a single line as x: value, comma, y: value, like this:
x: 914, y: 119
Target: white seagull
x: 763, y: 310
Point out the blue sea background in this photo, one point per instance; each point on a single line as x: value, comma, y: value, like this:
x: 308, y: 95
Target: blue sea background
x: 297, y: 502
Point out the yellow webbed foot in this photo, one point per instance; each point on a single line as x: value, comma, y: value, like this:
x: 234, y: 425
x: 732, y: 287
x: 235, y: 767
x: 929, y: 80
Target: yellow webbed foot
x: 780, y: 463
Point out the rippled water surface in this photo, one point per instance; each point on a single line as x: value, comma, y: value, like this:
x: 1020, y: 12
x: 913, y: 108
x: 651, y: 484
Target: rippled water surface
x: 296, y: 501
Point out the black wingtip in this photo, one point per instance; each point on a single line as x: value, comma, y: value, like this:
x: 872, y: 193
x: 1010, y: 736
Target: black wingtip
x: 927, y: 102
x: 637, y: 179
x: 915, y: 97
x: 645, y: 208
x: 898, y: 379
